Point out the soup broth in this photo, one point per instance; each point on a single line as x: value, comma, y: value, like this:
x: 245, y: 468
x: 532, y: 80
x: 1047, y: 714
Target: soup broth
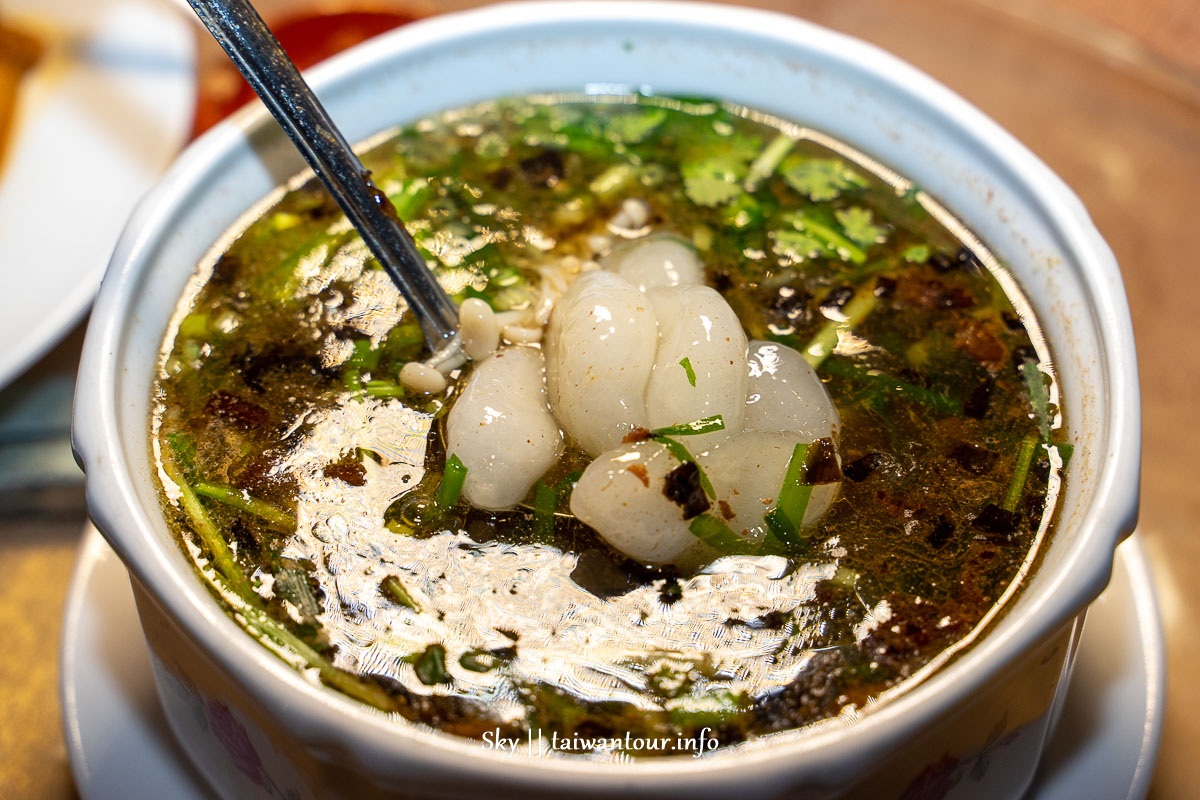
x: 304, y: 462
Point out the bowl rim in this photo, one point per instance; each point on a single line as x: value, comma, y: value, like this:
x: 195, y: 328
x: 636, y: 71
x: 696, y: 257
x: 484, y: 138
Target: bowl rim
x: 322, y: 716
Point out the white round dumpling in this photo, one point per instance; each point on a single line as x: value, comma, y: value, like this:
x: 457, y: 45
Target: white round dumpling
x: 695, y: 323
x: 786, y: 394
x: 502, y: 430
x: 600, y: 347
x: 657, y: 262
x: 747, y: 472
x: 620, y: 495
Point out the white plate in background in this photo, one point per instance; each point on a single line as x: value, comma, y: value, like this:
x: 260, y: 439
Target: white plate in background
x: 98, y: 118
x: 120, y: 746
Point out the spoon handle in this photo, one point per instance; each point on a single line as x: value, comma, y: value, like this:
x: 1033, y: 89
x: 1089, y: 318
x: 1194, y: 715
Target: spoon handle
x: 254, y: 50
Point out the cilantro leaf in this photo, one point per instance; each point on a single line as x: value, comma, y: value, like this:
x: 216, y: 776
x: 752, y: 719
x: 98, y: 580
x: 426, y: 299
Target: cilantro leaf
x: 633, y: 127
x: 713, y: 181
x: 916, y: 254
x: 821, y: 178
x: 742, y: 213
x: 716, y: 166
x: 825, y: 231
x: 184, y: 452
x: 857, y: 223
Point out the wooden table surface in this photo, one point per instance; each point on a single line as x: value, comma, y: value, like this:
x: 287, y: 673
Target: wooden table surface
x: 1108, y: 93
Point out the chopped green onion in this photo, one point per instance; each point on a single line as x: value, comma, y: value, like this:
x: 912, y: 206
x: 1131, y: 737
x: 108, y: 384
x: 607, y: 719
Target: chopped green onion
x: 382, y: 388
x: 218, y: 549
x: 394, y: 590
x: 831, y: 238
x: 193, y: 326
x: 786, y: 520
x: 413, y: 194
x: 793, y: 495
x: 1035, y: 382
x: 353, y: 382
x: 686, y: 363
x: 682, y: 455
x: 364, y: 356
x: 213, y: 541
x: 612, y: 180
x: 1020, y: 473
x: 545, y: 503
x: 567, y: 484
x: 478, y: 661
x: 712, y: 710
x: 768, y: 160
x: 244, y: 501
x: 292, y: 585
x: 339, y: 679
x: 717, y: 534
x: 934, y: 400
x: 781, y: 528
x: 398, y: 527
x: 700, y: 426
x: 184, y: 453
x: 319, y: 247
x: 451, y: 486
x: 825, y: 340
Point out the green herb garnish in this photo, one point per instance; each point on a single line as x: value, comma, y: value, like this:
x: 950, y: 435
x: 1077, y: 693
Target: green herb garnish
x: 634, y: 126
x: 786, y: 520
x: 430, y: 666
x: 182, y: 451
x: 268, y: 629
x: 695, y: 428
x: 545, y: 503
x: 686, y: 363
x: 243, y: 500
x: 830, y: 240
x: 1039, y: 398
x: 892, y: 386
x: 1016, y: 486
x: 292, y: 585
x: 712, y: 181
x: 717, y: 534
x: 484, y: 660
x: 768, y: 160
x: 451, y: 486
x: 826, y: 339
x: 383, y: 389
x: 394, y: 590
x: 859, y: 226
x: 821, y: 178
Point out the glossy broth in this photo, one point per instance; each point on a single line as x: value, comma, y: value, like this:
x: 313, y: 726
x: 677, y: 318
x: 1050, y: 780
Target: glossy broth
x: 303, y: 476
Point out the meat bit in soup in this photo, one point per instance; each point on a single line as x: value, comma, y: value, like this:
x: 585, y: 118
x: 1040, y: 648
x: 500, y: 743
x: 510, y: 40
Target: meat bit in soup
x: 752, y: 435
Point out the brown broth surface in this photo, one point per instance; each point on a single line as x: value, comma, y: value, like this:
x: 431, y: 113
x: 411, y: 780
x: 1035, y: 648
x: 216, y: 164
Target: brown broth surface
x: 283, y: 432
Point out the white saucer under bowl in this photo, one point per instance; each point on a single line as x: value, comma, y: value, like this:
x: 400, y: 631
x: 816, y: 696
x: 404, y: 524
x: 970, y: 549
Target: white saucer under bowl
x: 98, y: 118
x: 120, y: 746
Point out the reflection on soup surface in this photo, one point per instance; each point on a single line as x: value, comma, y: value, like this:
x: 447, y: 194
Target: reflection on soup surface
x: 753, y: 433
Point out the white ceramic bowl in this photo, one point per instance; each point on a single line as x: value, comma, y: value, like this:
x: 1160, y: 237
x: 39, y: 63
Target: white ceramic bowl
x: 256, y: 727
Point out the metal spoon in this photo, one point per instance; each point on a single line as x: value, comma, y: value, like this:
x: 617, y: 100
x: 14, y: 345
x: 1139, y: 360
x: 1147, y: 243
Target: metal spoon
x: 256, y: 53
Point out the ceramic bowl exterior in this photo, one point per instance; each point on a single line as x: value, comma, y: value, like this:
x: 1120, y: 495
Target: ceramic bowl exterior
x: 257, y: 728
